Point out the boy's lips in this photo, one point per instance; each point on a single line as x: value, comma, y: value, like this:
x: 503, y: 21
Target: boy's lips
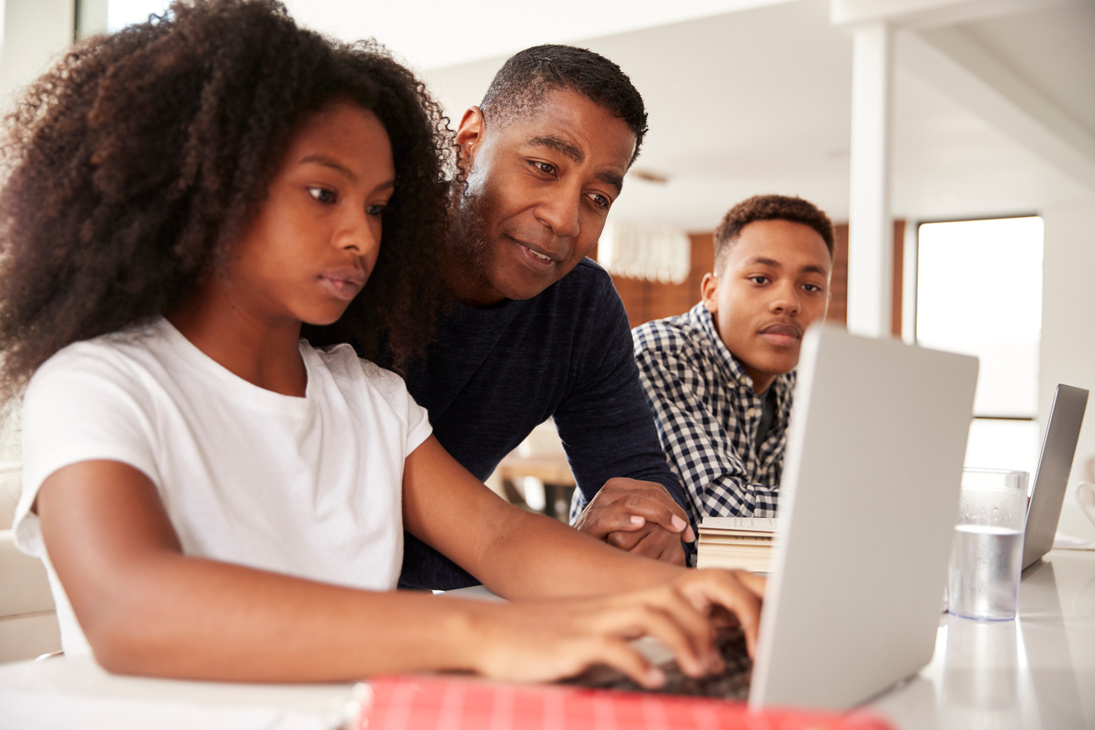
x: 782, y: 329
x: 781, y: 334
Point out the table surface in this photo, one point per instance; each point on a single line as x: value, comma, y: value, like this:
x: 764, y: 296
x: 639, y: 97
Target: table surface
x: 1035, y: 673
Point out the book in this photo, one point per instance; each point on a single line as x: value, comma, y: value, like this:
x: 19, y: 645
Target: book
x: 736, y: 542
x: 426, y: 702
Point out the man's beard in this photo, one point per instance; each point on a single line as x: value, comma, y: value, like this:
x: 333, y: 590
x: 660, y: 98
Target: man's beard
x: 470, y: 245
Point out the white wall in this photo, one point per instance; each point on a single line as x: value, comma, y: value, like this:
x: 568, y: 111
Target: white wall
x: 1068, y: 319
x: 36, y: 33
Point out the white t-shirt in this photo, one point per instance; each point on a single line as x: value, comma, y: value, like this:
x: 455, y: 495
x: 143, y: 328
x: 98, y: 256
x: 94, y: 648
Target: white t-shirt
x: 310, y: 486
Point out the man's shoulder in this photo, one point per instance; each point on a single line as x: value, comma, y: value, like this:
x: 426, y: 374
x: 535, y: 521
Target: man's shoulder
x: 585, y: 295
x: 588, y: 278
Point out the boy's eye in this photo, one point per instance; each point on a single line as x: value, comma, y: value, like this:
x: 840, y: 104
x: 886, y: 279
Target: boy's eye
x: 758, y: 279
x: 811, y: 287
x: 323, y: 195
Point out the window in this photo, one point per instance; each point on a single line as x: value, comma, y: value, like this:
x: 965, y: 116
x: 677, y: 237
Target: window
x: 979, y: 292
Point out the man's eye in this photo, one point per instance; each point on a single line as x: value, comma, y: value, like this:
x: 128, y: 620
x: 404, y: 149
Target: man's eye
x: 812, y: 287
x: 545, y: 167
x: 323, y: 195
x: 599, y: 200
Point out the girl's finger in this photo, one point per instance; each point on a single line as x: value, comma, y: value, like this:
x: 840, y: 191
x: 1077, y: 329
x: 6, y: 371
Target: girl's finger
x: 668, y: 616
x: 623, y: 657
x: 736, y: 591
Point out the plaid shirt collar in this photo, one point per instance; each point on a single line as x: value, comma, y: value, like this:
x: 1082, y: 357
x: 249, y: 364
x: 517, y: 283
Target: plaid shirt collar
x: 733, y: 372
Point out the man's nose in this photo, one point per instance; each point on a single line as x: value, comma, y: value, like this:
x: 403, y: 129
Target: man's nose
x: 560, y: 211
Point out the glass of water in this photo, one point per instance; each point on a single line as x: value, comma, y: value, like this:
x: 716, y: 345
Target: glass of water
x: 987, y: 555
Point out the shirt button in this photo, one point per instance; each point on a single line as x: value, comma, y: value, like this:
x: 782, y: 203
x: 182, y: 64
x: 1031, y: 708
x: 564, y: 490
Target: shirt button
x: 752, y: 412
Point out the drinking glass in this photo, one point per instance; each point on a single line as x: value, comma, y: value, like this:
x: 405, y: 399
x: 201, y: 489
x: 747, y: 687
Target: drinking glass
x: 987, y: 553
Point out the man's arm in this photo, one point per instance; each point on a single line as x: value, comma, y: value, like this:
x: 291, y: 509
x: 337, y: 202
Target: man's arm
x: 607, y: 429
x: 706, y: 455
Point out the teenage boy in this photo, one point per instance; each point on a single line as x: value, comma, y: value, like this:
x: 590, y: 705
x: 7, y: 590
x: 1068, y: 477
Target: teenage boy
x: 720, y: 376
x: 536, y: 330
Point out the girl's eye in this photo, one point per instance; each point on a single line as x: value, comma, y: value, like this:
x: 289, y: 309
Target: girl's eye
x: 375, y: 209
x: 323, y: 195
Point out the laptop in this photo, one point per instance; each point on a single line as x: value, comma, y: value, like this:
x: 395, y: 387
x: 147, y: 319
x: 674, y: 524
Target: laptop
x: 1066, y: 415
x: 868, y: 503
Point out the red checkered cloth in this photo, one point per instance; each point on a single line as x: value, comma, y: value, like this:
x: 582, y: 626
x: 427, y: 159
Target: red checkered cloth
x: 457, y: 703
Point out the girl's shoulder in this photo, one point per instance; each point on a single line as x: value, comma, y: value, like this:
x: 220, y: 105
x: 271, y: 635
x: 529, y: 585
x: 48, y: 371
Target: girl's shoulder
x: 115, y: 349
x: 349, y: 370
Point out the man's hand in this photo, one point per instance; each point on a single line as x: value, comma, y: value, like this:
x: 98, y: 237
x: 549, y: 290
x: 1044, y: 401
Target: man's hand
x: 639, y: 517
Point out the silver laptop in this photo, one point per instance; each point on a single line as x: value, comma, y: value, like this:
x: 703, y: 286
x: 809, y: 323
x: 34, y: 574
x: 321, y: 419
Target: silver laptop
x: 868, y: 503
x: 1066, y: 415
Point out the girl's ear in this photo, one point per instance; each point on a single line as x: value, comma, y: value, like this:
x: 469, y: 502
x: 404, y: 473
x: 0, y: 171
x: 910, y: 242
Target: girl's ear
x: 469, y: 136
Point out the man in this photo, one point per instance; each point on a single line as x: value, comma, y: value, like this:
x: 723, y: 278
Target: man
x: 537, y: 331
x: 720, y: 376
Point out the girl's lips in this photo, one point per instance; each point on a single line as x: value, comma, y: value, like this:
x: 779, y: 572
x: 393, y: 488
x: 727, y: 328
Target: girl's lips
x: 343, y: 284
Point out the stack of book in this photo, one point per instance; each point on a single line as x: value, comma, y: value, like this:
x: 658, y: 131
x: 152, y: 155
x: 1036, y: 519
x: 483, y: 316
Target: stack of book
x: 736, y: 542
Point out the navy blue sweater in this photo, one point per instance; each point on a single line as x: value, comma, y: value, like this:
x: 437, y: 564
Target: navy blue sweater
x: 495, y: 374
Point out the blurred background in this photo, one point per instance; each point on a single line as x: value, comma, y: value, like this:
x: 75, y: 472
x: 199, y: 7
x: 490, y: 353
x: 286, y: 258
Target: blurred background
x: 952, y: 141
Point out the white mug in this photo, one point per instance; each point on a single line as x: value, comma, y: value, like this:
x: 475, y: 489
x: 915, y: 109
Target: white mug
x: 1085, y: 495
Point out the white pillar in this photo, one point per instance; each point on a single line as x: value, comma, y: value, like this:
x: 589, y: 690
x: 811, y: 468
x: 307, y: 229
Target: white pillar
x: 870, y: 230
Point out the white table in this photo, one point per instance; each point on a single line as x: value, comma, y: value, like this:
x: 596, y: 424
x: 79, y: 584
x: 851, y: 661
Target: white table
x: 1035, y: 673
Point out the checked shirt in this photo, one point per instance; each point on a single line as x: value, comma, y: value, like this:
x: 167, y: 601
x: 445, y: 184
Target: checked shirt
x: 708, y: 416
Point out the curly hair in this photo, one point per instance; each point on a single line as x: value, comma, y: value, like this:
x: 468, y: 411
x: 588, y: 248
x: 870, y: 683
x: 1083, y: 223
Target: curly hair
x: 769, y: 208
x: 520, y: 85
x: 132, y: 167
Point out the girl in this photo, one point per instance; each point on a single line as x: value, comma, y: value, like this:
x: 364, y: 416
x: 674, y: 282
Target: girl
x: 212, y: 496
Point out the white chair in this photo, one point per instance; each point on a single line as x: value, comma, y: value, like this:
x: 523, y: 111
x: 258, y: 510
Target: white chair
x: 28, y: 621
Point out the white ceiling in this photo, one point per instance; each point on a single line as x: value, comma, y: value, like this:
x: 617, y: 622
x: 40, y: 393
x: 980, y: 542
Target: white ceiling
x: 992, y: 115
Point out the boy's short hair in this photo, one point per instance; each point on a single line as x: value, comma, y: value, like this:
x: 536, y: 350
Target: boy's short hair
x: 527, y: 77
x: 768, y: 208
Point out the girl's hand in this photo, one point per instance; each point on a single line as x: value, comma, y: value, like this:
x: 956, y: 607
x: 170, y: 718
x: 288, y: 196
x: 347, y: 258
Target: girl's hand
x: 558, y: 639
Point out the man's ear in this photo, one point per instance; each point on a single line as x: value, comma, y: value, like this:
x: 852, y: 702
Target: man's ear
x: 469, y: 136
x: 708, y: 287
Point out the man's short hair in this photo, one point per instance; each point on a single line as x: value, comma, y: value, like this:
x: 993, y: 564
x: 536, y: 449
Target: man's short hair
x: 769, y: 208
x: 519, y: 87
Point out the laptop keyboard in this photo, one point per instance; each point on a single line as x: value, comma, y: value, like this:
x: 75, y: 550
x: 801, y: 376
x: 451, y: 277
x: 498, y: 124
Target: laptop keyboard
x: 731, y: 683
